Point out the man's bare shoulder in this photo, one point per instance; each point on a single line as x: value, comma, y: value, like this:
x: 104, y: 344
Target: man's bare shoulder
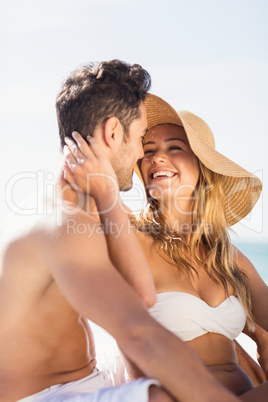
x: 39, y: 230
x: 79, y: 238
x: 31, y: 247
x: 21, y: 252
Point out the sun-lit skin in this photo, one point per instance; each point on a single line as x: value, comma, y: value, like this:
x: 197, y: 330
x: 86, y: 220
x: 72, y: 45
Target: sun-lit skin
x: 170, y: 157
x: 122, y: 149
x: 170, y: 170
x: 130, y: 151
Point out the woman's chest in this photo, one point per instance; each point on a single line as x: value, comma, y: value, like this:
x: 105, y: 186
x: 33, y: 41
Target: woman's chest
x: 169, y: 277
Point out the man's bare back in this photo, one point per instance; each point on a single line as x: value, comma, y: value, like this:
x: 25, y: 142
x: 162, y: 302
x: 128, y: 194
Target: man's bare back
x: 43, y: 340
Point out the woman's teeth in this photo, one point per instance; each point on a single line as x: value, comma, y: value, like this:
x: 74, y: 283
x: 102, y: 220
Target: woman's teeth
x: 163, y: 174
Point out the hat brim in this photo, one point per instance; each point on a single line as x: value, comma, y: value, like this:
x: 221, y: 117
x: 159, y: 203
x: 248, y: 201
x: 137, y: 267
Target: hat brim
x: 241, y: 188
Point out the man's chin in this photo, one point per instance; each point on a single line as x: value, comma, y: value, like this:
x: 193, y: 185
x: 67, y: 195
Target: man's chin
x: 126, y: 186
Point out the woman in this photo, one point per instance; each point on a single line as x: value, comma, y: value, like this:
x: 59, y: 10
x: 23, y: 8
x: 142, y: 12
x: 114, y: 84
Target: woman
x: 207, y: 289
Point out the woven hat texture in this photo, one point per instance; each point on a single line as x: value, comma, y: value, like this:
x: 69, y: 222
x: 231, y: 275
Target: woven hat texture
x: 241, y: 188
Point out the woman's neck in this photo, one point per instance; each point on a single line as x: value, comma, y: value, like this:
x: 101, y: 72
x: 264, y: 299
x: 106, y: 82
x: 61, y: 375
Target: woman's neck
x: 180, y: 221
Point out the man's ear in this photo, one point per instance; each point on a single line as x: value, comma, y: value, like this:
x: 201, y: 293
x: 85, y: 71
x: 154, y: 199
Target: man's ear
x: 112, y: 132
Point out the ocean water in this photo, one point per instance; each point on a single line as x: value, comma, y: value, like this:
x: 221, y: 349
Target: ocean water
x: 258, y: 255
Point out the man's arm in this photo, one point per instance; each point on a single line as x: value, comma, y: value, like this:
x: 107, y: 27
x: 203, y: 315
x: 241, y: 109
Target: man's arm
x: 82, y: 269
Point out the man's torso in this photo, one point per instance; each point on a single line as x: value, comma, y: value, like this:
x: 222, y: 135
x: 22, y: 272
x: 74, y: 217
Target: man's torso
x: 43, y: 340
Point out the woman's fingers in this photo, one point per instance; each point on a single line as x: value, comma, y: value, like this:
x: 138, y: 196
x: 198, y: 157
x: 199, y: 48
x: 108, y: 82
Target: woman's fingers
x: 82, y: 144
x: 73, y: 173
x: 68, y: 175
x: 81, y: 149
x: 69, y: 157
x: 90, y: 169
x: 95, y: 147
x: 77, y: 154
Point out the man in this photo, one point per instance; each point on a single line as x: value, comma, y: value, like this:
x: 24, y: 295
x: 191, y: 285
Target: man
x: 58, y: 271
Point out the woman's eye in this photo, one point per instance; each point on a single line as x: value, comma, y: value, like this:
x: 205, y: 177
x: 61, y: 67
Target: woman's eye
x: 148, y: 151
x: 174, y: 147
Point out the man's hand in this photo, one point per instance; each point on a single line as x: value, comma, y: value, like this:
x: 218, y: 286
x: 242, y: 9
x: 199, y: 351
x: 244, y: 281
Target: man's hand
x: 89, y: 171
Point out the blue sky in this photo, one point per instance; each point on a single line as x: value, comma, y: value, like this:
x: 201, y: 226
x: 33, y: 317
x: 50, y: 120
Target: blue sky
x: 209, y: 57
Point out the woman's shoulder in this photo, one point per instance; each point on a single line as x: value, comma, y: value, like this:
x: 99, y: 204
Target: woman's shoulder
x: 144, y: 237
x: 242, y: 261
x: 238, y: 257
x: 147, y: 243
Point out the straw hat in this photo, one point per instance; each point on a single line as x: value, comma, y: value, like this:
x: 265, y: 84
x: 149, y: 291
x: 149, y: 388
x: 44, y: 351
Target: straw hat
x: 241, y: 188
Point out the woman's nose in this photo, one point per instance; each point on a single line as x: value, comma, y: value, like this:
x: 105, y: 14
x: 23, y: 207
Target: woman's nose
x: 158, y: 157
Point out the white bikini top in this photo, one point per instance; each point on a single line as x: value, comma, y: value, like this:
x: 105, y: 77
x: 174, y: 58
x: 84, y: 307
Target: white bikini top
x: 188, y: 317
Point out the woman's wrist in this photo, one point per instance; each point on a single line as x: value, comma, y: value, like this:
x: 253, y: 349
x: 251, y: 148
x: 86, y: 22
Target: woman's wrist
x: 107, y: 199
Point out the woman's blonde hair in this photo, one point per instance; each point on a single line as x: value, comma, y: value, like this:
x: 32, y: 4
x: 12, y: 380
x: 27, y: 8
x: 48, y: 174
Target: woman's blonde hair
x: 209, y: 240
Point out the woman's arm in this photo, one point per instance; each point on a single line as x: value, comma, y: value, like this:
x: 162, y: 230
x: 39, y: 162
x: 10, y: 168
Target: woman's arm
x: 258, y: 289
x: 250, y: 366
x: 92, y: 173
x: 260, y: 337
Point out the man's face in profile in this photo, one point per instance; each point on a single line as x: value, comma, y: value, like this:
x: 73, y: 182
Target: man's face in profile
x: 131, y: 150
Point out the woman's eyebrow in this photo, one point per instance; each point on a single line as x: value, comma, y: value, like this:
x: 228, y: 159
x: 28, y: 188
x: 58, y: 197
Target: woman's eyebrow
x: 173, y: 139
x: 166, y: 140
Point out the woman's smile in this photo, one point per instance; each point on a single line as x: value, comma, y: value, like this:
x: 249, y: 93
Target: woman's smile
x: 160, y: 174
x: 169, y: 160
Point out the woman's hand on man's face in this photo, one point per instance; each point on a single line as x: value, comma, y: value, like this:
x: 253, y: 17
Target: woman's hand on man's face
x: 87, y: 168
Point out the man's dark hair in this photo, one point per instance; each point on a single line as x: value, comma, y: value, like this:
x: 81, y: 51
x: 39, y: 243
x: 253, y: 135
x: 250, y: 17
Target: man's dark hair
x: 96, y: 92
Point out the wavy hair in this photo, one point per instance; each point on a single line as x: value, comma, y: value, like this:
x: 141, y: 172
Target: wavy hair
x: 209, y: 243
x: 95, y: 92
